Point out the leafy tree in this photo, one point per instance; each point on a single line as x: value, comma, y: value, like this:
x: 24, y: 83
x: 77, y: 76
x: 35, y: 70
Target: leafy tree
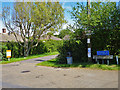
x: 33, y: 19
x: 64, y: 32
x: 104, y: 22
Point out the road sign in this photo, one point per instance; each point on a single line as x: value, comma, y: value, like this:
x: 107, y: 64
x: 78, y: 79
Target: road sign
x: 89, y: 52
x: 88, y: 40
x: 8, y: 53
x: 102, y: 52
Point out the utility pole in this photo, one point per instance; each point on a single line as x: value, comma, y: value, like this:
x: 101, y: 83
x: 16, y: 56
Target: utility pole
x: 89, y: 32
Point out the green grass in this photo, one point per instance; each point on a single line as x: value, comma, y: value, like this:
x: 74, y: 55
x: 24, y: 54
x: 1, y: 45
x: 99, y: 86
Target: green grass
x: 29, y: 57
x: 52, y: 63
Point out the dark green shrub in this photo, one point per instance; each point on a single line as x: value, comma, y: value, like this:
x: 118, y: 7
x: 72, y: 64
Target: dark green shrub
x: 18, y: 51
x: 4, y: 48
x: 77, y: 48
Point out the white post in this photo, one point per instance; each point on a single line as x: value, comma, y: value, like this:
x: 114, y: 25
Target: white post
x: 97, y: 62
x: 96, y: 59
x: 117, y: 60
x: 8, y: 59
x: 108, y: 62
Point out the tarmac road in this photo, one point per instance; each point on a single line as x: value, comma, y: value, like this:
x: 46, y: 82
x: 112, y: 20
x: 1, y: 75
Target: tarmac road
x: 25, y: 74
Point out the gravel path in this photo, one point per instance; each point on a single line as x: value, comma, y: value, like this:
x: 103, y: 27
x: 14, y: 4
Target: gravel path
x: 25, y: 74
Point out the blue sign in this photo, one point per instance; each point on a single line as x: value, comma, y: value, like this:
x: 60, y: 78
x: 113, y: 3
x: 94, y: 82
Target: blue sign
x: 102, y: 52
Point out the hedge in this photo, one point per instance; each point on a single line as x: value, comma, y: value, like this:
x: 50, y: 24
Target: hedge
x: 18, y: 51
x: 78, y: 48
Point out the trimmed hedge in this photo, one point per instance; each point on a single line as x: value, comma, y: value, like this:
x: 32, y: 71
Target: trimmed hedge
x: 18, y: 51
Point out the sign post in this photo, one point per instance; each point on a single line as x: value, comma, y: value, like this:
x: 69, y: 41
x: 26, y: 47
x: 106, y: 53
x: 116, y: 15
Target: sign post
x: 8, y: 54
x: 107, y: 57
x: 103, y: 55
x: 89, y: 33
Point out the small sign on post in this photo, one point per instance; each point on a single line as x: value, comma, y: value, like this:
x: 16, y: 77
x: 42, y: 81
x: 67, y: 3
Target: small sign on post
x: 89, y: 52
x: 8, y: 54
x: 117, y: 60
x: 88, y: 40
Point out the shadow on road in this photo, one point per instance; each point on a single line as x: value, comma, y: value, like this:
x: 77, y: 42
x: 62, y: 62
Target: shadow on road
x: 40, y: 60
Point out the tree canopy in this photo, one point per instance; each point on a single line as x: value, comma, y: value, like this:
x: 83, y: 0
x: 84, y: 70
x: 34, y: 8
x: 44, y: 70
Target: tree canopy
x: 104, y: 22
x: 65, y: 32
x: 32, y: 20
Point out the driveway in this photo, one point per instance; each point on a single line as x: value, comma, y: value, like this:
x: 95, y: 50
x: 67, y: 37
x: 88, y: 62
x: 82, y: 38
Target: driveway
x: 25, y: 74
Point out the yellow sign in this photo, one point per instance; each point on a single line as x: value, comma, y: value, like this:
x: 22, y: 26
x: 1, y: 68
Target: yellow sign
x: 8, y: 53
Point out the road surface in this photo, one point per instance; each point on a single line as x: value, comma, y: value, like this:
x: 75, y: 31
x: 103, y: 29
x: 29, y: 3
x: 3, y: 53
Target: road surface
x: 25, y: 74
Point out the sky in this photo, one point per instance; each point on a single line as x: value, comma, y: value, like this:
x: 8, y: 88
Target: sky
x: 65, y: 4
x: 1, y: 5
x: 68, y: 7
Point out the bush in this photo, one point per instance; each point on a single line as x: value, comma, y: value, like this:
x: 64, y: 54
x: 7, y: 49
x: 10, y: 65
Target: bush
x: 18, y: 51
x: 52, y: 45
x: 77, y: 48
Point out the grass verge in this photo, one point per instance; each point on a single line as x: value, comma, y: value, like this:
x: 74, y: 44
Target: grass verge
x: 29, y: 57
x: 52, y: 63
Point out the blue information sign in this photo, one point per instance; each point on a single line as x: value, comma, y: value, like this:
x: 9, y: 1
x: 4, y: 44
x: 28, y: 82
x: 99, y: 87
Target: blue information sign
x: 103, y: 52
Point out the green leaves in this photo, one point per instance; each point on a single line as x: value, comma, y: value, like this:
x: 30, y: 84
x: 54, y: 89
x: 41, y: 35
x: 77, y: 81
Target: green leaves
x: 65, y: 32
x: 32, y: 19
x: 103, y: 21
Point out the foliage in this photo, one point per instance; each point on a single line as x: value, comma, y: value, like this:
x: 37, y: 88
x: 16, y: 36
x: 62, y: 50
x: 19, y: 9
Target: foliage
x: 77, y: 48
x: 33, y: 19
x: 18, y: 51
x: 78, y: 34
x: 53, y: 63
x: 53, y: 45
x: 64, y: 32
x: 104, y: 23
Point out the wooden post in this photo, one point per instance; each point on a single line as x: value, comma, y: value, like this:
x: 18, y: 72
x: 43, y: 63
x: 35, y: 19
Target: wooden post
x: 88, y: 12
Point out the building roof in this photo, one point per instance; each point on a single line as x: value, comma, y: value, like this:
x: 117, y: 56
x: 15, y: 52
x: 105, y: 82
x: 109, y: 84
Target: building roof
x: 47, y: 37
x: 5, y: 37
x: 66, y: 37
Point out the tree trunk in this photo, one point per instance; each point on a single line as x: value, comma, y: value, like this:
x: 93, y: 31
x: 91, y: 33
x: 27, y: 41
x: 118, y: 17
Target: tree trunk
x: 26, y: 49
x: 26, y: 52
